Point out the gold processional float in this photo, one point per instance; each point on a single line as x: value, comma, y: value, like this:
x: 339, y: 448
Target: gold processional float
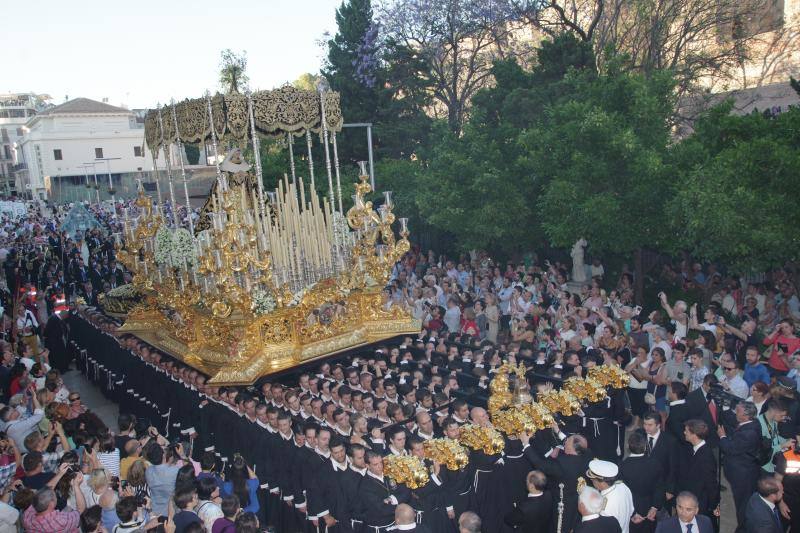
x: 267, y: 280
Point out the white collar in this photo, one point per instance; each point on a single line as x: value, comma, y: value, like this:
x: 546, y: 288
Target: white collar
x: 683, y: 525
x: 361, y: 471
x: 590, y: 517
x: 609, y: 489
x: 745, y: 423
x: 697, y: 446
x: 326, y: 455
x: 405, y: 527
x: 286, y: 437
x: 636, y: 455
x: 459, y: 420
x: 425, y: 436
x: 655, y: 437
x: 677, y: 402
x: 396, y: 452
x: 370, y: 474
x: 531, y: 495
x: 339, y: 466
x: 769, y: 503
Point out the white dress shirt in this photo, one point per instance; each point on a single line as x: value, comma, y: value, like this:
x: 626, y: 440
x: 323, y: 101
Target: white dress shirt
x: 619, y: 504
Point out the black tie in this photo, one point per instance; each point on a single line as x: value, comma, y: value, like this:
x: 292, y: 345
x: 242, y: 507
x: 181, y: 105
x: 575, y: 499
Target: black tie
x: 649, y: 445
x: 689, y: 528
x: 777, y: 517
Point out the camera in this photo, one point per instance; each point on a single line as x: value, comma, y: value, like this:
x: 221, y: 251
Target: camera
x: 722, y: 397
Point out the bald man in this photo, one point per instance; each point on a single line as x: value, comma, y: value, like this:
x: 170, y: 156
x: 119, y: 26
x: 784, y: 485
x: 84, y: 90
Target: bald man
x: 405, y: 519
x: 480, y: 417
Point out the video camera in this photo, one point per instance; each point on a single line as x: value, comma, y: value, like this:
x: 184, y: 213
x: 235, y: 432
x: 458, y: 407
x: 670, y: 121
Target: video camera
x: 722, y: 397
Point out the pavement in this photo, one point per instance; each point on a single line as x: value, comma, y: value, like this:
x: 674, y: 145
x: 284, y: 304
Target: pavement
x: 92, y: 398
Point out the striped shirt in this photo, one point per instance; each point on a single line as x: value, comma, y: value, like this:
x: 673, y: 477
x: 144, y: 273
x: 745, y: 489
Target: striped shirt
x: 110, y: 461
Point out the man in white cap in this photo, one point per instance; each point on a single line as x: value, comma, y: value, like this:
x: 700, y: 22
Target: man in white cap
x: 619, y: 500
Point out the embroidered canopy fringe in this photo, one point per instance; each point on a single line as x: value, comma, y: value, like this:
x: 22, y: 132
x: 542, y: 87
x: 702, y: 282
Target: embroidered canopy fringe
x: 276, y: 113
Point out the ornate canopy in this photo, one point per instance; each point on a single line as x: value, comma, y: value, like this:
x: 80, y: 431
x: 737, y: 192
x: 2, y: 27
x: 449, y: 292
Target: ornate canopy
x: 276, y: 112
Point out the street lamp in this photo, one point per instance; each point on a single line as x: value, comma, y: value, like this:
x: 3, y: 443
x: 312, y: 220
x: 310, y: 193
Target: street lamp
x: 96, y: 187
x: 86, y: 175
x: 110, y: 185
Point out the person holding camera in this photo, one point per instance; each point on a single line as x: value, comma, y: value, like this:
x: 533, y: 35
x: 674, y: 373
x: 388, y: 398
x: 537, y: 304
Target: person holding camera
x: 783, y: 342
x: 134, y: 515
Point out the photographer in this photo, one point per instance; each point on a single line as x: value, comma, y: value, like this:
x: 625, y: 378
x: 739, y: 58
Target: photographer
x: 783, y: 342
x: 134, y: 515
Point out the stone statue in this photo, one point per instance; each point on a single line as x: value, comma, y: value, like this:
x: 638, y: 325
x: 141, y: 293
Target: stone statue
x: 578, y: 267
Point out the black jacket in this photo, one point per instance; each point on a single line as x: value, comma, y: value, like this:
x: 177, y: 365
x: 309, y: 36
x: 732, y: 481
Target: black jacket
x: 601, y: 524
x: 643, y: 476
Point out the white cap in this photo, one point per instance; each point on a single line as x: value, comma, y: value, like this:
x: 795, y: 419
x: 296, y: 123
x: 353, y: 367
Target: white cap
x: 600, y: 468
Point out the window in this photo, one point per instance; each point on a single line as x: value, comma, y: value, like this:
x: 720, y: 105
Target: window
x: 98, y: 153
x: 57, y: 154
x: 20, y: 133
x: 7, y: 151
x: 137, y: 151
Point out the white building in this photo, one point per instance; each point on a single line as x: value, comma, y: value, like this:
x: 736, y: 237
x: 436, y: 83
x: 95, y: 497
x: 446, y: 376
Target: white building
x: 15, y: 110
x: 81, y: 137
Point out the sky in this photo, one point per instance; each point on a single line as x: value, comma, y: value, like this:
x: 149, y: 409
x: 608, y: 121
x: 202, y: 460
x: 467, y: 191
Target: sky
x: 146, y: 52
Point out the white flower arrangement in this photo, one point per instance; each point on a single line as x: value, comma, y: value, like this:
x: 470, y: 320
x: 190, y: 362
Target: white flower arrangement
x: 163, y: 245
x: 182, y: 247
x: 172, y: 248
x: 262, y: 302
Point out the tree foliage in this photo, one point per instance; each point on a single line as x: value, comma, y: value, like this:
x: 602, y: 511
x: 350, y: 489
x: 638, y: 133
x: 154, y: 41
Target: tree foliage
x: 233, y: 71
x: 739, y: 180
x: 192, y: 153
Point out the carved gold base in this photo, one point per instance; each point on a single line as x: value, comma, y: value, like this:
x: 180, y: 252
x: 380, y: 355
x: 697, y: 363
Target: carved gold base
x: 241, y: 351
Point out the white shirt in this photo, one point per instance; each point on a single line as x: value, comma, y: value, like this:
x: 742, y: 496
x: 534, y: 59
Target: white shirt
x: 619, y: 504
x: 208, y: 512
x: 684, y: 526
x: 697, y: 446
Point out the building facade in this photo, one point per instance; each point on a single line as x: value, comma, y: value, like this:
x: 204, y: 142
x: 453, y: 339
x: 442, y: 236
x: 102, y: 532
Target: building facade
x: 15, y: 111
x: 80, y: 138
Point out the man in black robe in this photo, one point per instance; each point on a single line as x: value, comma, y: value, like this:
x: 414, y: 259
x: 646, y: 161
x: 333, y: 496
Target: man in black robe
x: 380, y: 496
x: 534, y: 512
x: 566, y: 467
x: 55, y: 335
x: 644, y: 476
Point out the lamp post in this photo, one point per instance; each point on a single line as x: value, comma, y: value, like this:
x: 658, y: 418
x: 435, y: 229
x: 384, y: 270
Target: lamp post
x: 110, y: 184
x: 94, y: 171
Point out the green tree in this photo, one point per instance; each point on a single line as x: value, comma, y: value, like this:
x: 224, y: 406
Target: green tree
x: 601, y: 154
x: 739, y: 178
x: 233, y: 71
x: 479, y: 187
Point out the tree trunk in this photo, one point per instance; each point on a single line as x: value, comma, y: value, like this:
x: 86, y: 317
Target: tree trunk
x: 638, y: 277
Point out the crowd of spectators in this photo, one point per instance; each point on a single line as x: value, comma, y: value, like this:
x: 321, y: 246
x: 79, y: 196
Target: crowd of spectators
x: 713, y: 386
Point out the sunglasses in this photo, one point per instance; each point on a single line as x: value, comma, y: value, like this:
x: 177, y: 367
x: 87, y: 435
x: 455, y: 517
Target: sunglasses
x: 75, y: 399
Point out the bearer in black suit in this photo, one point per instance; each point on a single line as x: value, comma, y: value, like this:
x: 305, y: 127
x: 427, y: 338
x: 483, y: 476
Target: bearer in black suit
x: 534, y: 512
x: 686, y: 507
x: 662, y: 448
x: 703, y: 407
x: 678, y: 409
x: 697, y: 468
x: 762, y: 514
x: 643, y: 475
x: 590, y: 504
x: 380, y: 496
x: 739, y: 451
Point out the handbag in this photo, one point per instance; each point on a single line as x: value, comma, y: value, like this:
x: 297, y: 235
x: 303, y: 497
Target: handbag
x: 650, y: 398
